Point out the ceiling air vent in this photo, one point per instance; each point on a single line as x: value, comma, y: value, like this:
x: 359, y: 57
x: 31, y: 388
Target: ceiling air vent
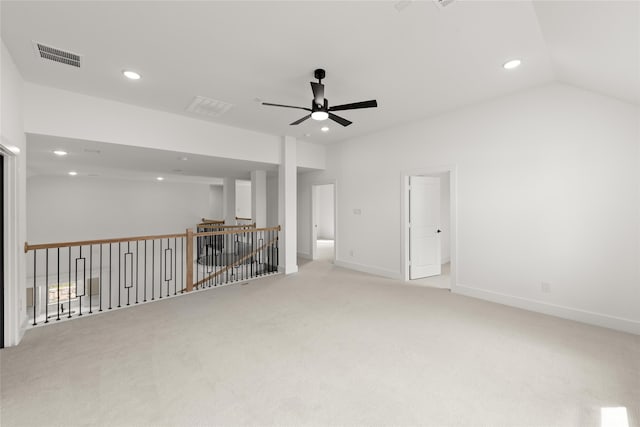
x: 402, y: 4
x: 204, y: 106
x: 443, y: 3
x: 57, y: 55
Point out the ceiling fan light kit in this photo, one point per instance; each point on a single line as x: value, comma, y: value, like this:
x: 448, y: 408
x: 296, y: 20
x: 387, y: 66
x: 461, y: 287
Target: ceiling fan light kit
x: 320, y: 109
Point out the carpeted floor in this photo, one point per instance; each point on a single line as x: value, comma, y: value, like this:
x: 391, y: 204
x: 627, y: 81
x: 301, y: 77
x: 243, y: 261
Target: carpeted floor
x: 325, y: 346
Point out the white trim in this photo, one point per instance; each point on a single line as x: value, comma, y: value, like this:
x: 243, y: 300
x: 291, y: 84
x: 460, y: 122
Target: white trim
x: 15, y: 320
x: 368, y: 269
x: 583, y: 316
x: 404, y: 217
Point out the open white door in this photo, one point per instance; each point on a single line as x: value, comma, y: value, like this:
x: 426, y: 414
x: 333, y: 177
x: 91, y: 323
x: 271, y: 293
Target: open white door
x: 424, y: 227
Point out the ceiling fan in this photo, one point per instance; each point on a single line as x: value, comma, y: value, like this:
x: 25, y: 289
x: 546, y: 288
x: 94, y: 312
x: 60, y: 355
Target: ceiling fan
x: 320, y: 109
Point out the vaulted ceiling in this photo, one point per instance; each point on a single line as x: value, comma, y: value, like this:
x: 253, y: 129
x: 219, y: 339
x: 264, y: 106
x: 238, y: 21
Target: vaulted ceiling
x: 417, y: 60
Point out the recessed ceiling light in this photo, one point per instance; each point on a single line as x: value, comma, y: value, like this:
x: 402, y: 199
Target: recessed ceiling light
x: 73, y: 173
x: 60, y: 153
x: 324, y: 129
x: 184, y: 158
x: 13, y: 149
x: 307, y: 135
x: 131, y: 75
x: 160, y: 178
x: 510, y: 65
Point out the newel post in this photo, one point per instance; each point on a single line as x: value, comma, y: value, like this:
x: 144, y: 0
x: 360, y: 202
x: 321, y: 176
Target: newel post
x: 189, y: 260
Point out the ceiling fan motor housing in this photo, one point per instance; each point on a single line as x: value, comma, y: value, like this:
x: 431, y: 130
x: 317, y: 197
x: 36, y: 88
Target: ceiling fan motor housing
x: 315, y: 107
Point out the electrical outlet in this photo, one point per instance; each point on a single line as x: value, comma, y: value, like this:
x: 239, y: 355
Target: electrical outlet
x: 545, y: 287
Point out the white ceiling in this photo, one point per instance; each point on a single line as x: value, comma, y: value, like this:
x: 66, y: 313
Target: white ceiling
x: 90, y: 158
x: 417, y: 62
x: 594, y: 44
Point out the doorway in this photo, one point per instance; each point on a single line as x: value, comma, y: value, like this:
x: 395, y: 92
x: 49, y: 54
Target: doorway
x: 323, y: 238
x: 429, y: 228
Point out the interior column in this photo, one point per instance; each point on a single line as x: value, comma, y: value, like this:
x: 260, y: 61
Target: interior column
x: 229, y: 200
x: 287, y: 212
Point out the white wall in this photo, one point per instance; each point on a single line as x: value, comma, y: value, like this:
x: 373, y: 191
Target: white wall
x: 51, y: 111
x: 547, y: 191
x: 215, y: 202
x: 15, y: 175
x: 64, y: 208
x: 325, y: 212
x: 309, y: 155
x: 243, y: 199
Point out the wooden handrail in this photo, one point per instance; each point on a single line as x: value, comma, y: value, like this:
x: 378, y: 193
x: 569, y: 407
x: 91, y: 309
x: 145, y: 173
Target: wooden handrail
x: 243, y: 219
x: 212, y: 221
x: 239, y: 261
x: 204, y: 225
x: 28, y: 247
x: 248, y: 230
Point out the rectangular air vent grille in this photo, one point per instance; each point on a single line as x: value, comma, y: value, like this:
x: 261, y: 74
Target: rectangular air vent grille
x: 443, y: 3
x: 57, y: 55
x: 208, y: 107
x: 402, y: 4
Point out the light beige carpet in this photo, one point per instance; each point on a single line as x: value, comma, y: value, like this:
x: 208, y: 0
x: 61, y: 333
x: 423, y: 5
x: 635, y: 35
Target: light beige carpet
x: 326, y: 346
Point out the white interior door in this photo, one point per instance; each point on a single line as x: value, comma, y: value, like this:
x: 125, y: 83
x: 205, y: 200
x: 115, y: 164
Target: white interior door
x: 424, y: 227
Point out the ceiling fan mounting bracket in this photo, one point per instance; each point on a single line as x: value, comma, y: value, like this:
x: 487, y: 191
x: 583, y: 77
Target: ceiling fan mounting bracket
x: 319, y: 74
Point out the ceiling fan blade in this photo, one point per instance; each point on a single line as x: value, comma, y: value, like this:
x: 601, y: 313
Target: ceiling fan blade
x: 318, y: 93
x: 356, y: 105
x: 297, y: 122
x: 338, y: 119
x: 285, y: 106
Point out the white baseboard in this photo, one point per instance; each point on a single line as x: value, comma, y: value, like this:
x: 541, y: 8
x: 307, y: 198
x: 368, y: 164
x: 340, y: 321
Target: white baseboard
x: 598, y: 319
x: 304, y: 255
x: 368, y: 269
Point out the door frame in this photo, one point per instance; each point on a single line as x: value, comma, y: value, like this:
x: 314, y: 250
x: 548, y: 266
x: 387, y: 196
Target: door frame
x: 14, y: 320
x: 314, y: 201
x: 404, y: 217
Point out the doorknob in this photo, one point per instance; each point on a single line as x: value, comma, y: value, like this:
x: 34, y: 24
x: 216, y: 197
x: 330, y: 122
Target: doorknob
x: 439, y: 231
